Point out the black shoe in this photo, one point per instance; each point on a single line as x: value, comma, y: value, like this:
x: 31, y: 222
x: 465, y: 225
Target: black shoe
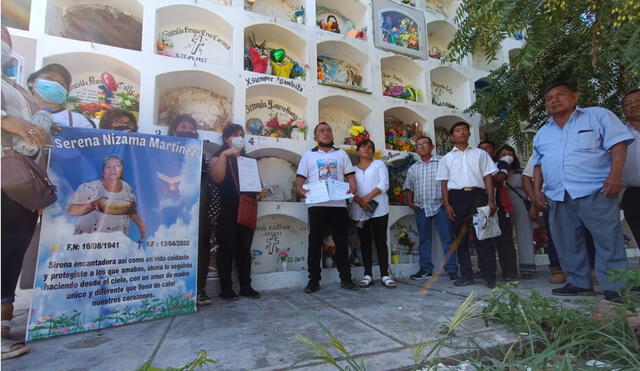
x: 250, y: 293
x: 203, y: 299
x: 462, y: 282
x: 312, y: 287
x: 349, y: 285
x: 421, y: 275
x: 613, y: 297
x: 452, y: 276
x: 228, y: 296
x: 491, y: 284
x: 478, y: 274
x: 570, y: 290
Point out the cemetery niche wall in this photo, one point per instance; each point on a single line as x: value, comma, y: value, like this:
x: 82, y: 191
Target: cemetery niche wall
x: 277, y: 68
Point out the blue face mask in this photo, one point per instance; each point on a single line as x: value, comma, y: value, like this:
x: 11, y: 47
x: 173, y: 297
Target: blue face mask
x: 51, y: 91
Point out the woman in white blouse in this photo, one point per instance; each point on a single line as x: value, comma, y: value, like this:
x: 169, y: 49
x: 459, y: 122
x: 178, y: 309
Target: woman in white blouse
x: 370, y: 210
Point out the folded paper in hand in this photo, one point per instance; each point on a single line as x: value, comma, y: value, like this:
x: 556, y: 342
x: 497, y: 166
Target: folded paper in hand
x: 486, y: 226
x: 326, y: 190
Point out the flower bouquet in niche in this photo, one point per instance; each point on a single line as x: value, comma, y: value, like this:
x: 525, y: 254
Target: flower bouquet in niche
x: 358, y: 134
x: 405, y: 240
x: 282, y: 256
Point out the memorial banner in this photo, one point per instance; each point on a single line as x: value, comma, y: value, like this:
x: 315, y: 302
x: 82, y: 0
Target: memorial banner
x: 120, y: 244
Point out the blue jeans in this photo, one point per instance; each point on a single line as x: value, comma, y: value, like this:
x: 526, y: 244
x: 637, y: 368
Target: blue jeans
x: 445, y: 231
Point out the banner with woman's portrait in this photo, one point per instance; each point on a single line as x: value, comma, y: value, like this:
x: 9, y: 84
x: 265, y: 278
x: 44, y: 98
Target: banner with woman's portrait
x: 120, y: 244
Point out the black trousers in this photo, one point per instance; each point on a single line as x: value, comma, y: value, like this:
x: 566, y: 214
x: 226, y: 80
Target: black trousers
x: 204, y: 237
x: 18, y: 226
x: 464, y: 205
x: 377, y: 227
x: 505, y: 247
x: 321, y: 220
x: 235, y: 242
x: 631, y: 206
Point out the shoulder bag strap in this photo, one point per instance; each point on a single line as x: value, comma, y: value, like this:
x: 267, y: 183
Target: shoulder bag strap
x: 70, y: 119
x: 233, y: 174
x: 516, y: 192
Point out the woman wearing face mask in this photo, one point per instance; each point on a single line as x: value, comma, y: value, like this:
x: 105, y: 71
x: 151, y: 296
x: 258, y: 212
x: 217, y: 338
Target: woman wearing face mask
x: 235, y: 240
x: 120, y: 120
x: 18, y: 223
x: 50, y: 87
x: 520, y: 214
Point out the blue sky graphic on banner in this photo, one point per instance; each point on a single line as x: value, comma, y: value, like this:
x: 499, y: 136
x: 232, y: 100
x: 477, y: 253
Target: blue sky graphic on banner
x: 120, y: 244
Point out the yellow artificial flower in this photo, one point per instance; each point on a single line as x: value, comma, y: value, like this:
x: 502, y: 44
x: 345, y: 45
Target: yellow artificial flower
x: 275, y: 135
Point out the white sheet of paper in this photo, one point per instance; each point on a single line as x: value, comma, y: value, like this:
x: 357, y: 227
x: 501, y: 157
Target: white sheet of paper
x: 318, y: 192
x: 248, y: 175
x: 338, y: 190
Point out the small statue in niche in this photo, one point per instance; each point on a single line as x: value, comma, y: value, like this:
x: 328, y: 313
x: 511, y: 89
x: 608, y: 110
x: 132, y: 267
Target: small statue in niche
x: 354, y: 77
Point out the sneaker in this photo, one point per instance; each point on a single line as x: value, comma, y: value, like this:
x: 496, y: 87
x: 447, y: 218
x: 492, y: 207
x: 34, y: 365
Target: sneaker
x: 228, y: 296
x: 613, y: 297
x: 312, y: 287
x: 452, y: 276
x: 250, y: 293
x: 570, y: 290
x: 420, y: 275
x: 491, y: 284
x: 203, y: 299
x: 348, y: 285
x: 462, y: 282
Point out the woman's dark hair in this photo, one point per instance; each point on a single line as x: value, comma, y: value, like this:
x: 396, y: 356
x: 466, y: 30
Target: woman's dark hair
x: 180, y: 118
x: 365, y: 142
x: 115, y: 113
x: 516, y: 162
x: 55, y: 68
x: 113, y: 157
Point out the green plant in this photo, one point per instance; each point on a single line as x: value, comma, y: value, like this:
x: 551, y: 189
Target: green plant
x: 321, y: 352
x: 201, y: 361
x: 593, y: 43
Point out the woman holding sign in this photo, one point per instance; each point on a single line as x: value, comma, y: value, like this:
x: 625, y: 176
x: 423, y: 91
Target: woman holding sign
x: 234, y: 238
x: 370, y: 210
x: 107, y: 204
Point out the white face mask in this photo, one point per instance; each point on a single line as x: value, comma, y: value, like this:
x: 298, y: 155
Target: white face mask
x: 237, y: 143
x: 508, y: 159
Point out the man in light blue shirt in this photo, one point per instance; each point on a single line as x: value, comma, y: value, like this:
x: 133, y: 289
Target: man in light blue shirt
x: 580, y: 153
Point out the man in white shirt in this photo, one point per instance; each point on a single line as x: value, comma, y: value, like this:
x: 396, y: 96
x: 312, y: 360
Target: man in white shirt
x: 631, y: 170
x: 330, y: 215
x: 466, y: 173
x: 424, y: 196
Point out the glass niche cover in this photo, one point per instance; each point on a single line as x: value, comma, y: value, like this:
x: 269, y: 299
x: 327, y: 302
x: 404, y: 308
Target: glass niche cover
x: 399, y: 28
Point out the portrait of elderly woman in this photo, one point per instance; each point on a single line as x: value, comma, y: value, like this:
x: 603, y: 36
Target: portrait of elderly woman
x: 107, y: 204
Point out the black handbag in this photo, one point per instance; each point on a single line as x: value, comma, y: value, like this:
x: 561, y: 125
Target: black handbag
x: 26, y: 182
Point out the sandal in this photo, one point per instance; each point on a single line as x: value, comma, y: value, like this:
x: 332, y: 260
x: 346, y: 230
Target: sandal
x: 8, y: 345
x: 388, y: 282
x: 366, y: 281
x: 6, y: 328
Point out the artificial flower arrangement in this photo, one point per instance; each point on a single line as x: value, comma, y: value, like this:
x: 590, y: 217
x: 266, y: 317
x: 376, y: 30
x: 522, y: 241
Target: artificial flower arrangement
x: 358, y: 134
x: 403, y: 92
x: 164, y: 46
x: 405, y: 240
x: 106, y: 97
x: 258, y: 58
x: 400, y: 136
x: 274, y: 128
x: 283, y: 254
x: 397, y: 174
